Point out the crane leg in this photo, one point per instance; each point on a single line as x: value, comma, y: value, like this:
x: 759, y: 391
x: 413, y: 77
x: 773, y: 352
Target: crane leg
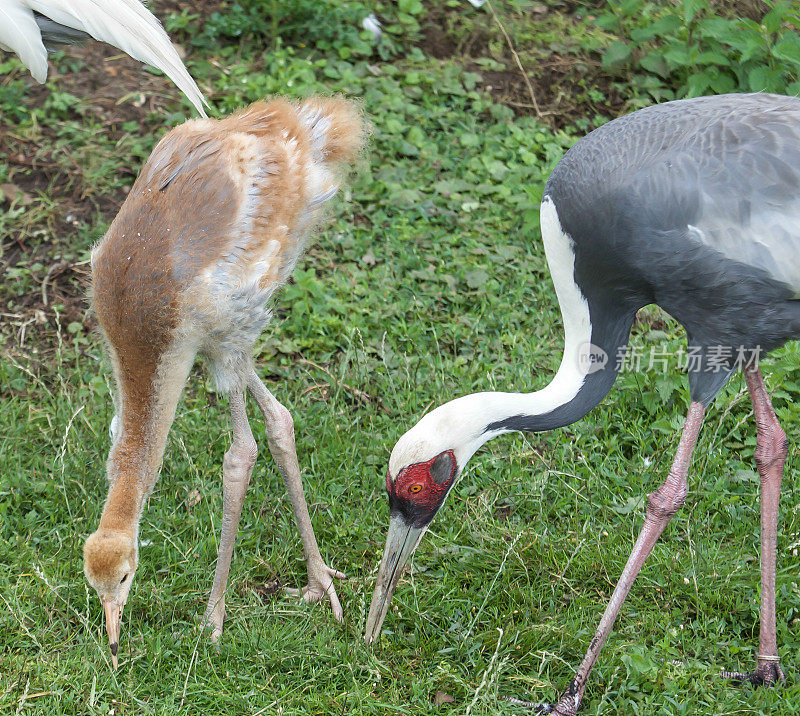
x: 280, y: 433
x: 772, y: 448
x: 237, y: 467
x: 661, y: 505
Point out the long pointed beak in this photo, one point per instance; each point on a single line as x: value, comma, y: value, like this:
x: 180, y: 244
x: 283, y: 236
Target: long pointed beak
x: 113, y: 625
x: 401, y: 541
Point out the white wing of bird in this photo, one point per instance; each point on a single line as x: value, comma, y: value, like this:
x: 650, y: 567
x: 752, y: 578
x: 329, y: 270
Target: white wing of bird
x: 125, y: 24
x: 19, y: 33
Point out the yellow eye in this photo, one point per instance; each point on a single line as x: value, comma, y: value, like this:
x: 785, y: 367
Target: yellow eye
x: 415, y: 488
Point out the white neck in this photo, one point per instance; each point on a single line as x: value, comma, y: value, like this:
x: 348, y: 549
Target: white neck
x: 464, y: 424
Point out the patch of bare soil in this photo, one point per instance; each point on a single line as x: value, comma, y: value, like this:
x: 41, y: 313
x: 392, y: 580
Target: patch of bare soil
x: 559, y: 85
x: 117, y: 90
x: 750, y: 9
x: 558, y: 81
x: 436, y: 40
x: 265, y: 590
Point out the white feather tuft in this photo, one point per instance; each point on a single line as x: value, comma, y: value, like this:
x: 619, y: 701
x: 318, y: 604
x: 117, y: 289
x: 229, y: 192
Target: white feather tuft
x: 19, y: 33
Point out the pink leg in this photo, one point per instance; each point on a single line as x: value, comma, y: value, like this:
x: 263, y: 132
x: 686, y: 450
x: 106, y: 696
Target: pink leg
x: 661, y: 505
x: 771, y: 450
x: 237, y: 467
x: 280, y: 432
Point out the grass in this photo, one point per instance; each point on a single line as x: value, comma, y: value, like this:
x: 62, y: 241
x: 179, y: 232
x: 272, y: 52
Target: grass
x: 429, y: 282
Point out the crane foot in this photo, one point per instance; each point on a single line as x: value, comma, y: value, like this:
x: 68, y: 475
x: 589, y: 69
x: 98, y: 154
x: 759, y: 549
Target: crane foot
x: 320, y: 584
x: 562, y: 708
x: 767, y: 673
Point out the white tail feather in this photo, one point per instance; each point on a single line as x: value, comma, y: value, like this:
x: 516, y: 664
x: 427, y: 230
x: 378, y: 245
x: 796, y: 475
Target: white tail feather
x: 20, y: 34
x: 125, y: 24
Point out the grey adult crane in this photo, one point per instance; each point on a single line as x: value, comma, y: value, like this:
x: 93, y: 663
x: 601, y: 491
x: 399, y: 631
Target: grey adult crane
x: 210, y: 230
x: 27, y: 26
x: 693, y: 205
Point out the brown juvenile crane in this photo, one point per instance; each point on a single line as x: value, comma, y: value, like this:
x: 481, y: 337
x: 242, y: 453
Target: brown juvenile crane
x: 212, y: 227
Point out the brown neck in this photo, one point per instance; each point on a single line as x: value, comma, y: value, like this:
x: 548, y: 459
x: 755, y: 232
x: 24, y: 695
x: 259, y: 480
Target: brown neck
x: 134, y: 462
x: 131, y: 482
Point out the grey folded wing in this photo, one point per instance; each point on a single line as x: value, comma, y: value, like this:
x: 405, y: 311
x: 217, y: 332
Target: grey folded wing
x: 733, y: 186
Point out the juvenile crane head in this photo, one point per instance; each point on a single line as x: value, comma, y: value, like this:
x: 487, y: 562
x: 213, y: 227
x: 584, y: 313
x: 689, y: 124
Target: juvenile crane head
x: 109, y: 563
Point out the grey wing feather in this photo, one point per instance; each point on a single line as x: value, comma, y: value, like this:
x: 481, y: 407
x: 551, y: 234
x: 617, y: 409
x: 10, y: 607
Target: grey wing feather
x: 183, y: 154
x: 724, y: 171
x: 749, y: 197
x: 54, y: 34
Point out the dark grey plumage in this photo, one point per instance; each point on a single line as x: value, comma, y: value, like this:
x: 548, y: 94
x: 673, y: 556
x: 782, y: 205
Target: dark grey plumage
x: 693, y: 205
x: 55, y: 34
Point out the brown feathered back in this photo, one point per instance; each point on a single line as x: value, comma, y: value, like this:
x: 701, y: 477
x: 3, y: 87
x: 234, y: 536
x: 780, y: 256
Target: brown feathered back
x: 212, y: 226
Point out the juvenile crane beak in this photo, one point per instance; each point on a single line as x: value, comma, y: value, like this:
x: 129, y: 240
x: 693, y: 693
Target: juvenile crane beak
x: 401, y: 542
x: 113, y: 624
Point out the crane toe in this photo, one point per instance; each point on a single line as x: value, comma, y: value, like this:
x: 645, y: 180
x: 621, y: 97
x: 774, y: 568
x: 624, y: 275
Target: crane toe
x: 542, y: 708
x: 320, y: 584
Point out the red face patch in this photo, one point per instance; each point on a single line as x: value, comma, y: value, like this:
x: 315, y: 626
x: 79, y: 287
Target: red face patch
x: 419, y: 489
